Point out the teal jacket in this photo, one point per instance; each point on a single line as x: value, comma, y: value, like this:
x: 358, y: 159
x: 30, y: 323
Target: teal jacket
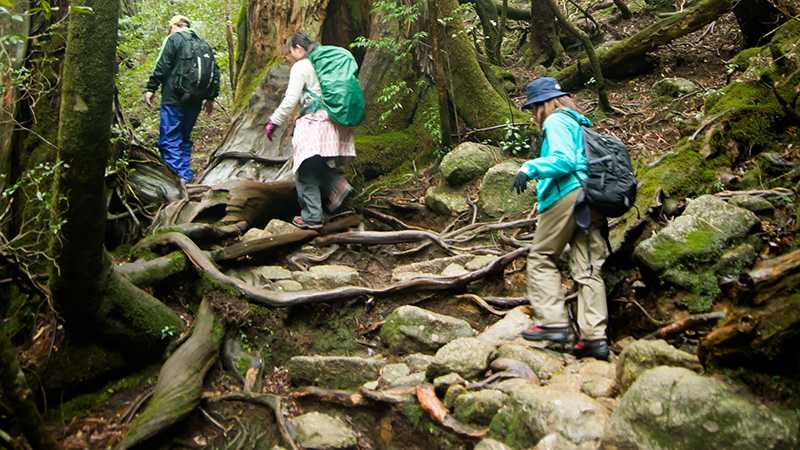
x: 561, y: 165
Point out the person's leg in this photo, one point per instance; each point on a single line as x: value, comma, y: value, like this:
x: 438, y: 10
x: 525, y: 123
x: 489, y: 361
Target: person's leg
x: 335, y: 187
x: 170, y: 137
x: 554, y: 229
x: 188, y: 121
x: 308, y: 189
x: 592, y: 307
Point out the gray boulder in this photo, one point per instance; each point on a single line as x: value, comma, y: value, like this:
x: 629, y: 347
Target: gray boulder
x: 287, y: 286
x: 445, y: 200
x: 272, y: 273
x: 496, y: 197
x: 707, y: 227
x: 478, y: 407
x: 542, y: 362
x: 418, y: 362
x: 328, y: 277
x: 467, y: 162
x: 756, y: 204
x: 321, y: 431
x: 643, y: 355
x: 335, y: 372
x: 508, y: 328
x: 674, y: 87
x: 674, y: 408
x: 411, y: 329
x: 276, y: 227
x: 468, y: 357
x: 531, y: 413
x: 491, y: 444
x: 445, y: 382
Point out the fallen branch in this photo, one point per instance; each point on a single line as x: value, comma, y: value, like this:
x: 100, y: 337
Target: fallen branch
x: 273, y: 402
x: 685, y: 324
x: 507, y: 302
x: 271, y: 298
x: 180, y: 381
x: 387, y: 218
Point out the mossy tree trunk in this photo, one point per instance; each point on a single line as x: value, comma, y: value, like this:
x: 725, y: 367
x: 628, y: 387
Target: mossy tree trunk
x: 475, y: 101
x: 619, y: 59
x: 86, y: 290
x: 757, y: 18
x: 20, y: 398
x: 492, y: 33
x: 546, y: 48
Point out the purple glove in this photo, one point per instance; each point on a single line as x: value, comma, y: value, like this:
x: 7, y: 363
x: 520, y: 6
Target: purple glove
x: 269, y: 130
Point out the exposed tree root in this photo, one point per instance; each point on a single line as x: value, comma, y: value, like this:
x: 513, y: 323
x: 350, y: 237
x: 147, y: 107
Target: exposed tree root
x: 431, y: 404
x: 180, y: 381
x: 233, y: 358
x: 482, y: 303
x: 271, y: 298
x: 273, y: 402
x: 384, y: 238
x: 684, y: 324
x: 339, y: 397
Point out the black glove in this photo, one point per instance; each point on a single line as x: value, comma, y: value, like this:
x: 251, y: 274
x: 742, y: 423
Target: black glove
x: 520, y: 183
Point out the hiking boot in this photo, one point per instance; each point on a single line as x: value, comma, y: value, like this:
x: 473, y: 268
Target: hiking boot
x: 552, y: 334
x: 302, y: 224
x: 340, y: 192
x: 596, y: 348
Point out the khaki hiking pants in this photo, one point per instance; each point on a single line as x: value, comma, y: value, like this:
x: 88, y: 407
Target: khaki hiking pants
x: 555, y: 229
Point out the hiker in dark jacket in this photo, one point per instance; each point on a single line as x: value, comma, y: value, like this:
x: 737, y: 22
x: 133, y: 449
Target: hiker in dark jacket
x: 177, y: 115
x: 559, y: 169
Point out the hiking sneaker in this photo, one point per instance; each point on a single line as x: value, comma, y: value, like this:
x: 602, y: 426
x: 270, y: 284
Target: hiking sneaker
x: 299, y: 222
x: 339, y: 194
x: 553, y: 334
x: 596, y: 348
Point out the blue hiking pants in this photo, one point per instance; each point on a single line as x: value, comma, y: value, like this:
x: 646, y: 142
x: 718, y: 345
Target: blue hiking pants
x: 175, y: 137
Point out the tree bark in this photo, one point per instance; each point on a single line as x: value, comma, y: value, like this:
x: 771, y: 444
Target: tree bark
x: 623, y: 9
x: 474, y: 98
x: 600, y: 81
x: 618, y: 60
x: 757, y: 18
x: 83, y: 284
x: 492, y: 36
x: 20, y: 398
x: 546, y: 47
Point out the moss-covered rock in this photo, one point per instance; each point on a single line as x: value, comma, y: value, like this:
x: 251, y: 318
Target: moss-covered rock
x: 321, y: 431
x: 674, y: 408
x: 496, y: 195
x: 543, y: 363
x: 478, y: 407
x: 640, y: 356
x: 468, y: 357
x: 707, y: 228
x: 335, y: 372
x: 446, y: 200
x: 532, y: 413
x: 674, y: 87
x: 467, y: 162
x: 411, y: 329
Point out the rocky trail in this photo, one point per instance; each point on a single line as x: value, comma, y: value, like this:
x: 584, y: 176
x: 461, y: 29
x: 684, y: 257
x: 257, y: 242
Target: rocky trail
x: 397, y: 325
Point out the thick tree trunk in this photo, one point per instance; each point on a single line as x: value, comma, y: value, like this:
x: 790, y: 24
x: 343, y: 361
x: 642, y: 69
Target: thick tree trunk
x: 260, y: 87
x: 618, y: 60
x: 475, y: 100
x: 89, y: 294
x: 492, y: 35
x: 757, y: 18
x: 546, y: 47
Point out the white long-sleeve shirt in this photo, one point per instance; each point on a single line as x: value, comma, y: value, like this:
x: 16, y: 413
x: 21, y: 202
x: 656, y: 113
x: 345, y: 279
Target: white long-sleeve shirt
x: 301, y: 77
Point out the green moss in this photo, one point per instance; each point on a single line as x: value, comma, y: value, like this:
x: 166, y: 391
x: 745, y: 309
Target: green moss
x: 249, y: 80
x: 437, y: 438
x: 509, y: 427
x: 82, y: 404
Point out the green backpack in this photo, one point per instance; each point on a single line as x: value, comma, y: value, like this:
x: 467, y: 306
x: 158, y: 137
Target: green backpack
x: 342, y: 96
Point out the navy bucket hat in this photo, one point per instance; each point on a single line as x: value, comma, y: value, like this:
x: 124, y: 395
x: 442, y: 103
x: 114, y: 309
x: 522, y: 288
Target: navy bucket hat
x: 541, y: 90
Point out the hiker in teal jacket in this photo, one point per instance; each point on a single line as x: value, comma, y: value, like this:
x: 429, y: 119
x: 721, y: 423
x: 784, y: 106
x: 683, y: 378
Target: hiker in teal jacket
x: 559, y: 170
x: 177, y: 116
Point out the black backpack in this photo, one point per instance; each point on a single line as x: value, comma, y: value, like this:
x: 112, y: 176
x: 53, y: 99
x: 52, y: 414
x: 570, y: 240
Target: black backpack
x: 611, y: 185
x: 195, y: 77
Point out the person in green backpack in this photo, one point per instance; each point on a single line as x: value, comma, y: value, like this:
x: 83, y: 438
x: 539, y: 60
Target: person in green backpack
x: 319, y: 143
